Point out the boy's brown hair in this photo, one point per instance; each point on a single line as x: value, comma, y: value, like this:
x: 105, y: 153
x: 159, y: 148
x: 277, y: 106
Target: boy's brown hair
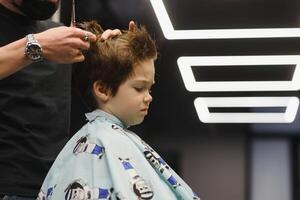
x: 111, y: 62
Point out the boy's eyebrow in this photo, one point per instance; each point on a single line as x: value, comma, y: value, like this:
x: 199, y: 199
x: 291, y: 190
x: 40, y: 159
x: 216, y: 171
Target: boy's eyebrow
x: 144, y: 81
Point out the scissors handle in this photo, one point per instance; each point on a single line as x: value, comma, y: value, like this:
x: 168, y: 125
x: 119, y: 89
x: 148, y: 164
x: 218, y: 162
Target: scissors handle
x: 73, y: 19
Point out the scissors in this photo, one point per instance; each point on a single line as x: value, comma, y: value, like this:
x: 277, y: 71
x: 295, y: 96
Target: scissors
x: 73, y: 20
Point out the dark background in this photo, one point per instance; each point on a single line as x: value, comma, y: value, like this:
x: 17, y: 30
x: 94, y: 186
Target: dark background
x: 172, y: 108
x: 172, y: 113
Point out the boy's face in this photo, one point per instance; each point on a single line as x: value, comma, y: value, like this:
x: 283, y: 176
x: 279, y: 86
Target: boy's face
x: 132, y: 100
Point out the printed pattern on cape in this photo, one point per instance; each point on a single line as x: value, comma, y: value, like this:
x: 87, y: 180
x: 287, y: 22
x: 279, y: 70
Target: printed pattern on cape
x: 79, y: 190
x: 161, y: 167
x: 140, y: 187
x: 106, y: 161
x: 47, y: 196
x: 83, y: 145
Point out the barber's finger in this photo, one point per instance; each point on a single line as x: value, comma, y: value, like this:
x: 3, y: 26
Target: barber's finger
x: 110, y: 34
x: 84, y: 35
x: 78, y: 43
x: 78, y: 58
x: 84, y: 45
x: 131, y: 26
x: 105, y: 35
x: 116, y: 32
x: 89, y: 37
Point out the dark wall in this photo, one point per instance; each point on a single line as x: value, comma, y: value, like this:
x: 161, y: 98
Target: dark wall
x: 172, y: 103
x: 217, y: 152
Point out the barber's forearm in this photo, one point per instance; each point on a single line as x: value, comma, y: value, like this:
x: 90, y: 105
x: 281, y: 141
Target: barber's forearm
x: 12, y: 58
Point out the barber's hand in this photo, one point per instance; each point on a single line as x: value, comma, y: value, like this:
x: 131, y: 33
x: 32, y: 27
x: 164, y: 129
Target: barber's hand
x: 107, y: 34
x: 65, y: 44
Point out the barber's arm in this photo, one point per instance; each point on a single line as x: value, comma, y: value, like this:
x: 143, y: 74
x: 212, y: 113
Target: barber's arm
x: 61, y: 45
x: 12, y: 58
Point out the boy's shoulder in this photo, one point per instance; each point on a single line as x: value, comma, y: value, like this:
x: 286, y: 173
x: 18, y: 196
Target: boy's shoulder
x: 99, y: 128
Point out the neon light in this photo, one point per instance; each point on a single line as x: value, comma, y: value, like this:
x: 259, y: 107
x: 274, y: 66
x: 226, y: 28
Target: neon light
x: 171, y: 34
x: 202, y: 104
x: 185, y: 66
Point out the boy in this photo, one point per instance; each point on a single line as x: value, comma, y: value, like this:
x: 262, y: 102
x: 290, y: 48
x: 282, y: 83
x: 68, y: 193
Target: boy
x: 104, y: 160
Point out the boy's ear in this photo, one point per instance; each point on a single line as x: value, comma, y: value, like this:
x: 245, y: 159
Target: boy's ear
x: 100, y: 92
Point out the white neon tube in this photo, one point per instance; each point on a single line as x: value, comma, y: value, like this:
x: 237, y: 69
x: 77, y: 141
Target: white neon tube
x: 203, y: 103
x: 185, y: 66
x: 171, y: 34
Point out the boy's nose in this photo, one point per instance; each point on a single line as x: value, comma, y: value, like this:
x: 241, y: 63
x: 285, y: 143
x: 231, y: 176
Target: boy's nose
x: 148, y: 98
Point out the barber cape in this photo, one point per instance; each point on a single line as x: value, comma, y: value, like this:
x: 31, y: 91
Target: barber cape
x: 104, y: 160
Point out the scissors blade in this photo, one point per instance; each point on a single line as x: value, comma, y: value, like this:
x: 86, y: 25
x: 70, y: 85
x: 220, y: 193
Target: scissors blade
x: 73, y: 19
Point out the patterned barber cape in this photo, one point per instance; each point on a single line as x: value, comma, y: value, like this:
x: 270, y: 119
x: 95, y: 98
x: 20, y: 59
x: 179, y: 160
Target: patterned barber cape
x: 104, y: 160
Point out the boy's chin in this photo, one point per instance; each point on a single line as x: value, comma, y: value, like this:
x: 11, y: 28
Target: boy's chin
x: 137, y: 122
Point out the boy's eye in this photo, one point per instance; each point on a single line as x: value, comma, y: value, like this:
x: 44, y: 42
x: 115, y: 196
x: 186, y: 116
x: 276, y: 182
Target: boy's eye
x: 139, y: 89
